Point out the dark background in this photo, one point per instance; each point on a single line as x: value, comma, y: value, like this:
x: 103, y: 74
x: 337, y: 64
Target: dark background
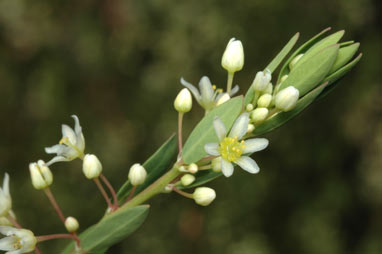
x: 117, y: 64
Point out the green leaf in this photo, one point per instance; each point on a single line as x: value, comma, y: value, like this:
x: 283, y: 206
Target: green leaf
x: 334, y: 78
x: 202, y: 177
x: 319, y: 46
x: 111, y: 230
x: 344, y: 55
x: 282, y: 117
x: 305, y: 77
x: 301, y: 49
x: 204, y: 132
x: 280, y: 56
x: 155, y: 166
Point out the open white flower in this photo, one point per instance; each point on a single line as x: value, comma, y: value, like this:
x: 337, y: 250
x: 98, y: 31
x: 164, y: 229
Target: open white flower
x: 5, y: 197
x: 207, y: 96
x: 71, y: 146
x: 17, y: 241
x: 232, y: 149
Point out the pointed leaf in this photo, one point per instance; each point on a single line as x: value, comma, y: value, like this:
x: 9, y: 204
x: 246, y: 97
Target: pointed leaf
x: 111, y: 230
x: 282, y: 117
x: 155, y: 166
x: 344, y: 56
x: 204, y: 132
x: 307, y: 76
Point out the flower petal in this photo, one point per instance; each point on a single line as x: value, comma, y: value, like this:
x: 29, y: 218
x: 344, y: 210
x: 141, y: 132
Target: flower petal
x: 80, y: 140
x: 212, y: 149
x: 248, y: 164
x: 192, y: 88
x: 56, y: 159
x: 8, y: 243
x: 255, y: 145
x: 227, y: 168
x: 58, y: 149
x: 240, y: 127
x: 206, y: 91
x: 69, y: 133
x: 234, y: 90
x: 6, y: 185
x: 221, y: 131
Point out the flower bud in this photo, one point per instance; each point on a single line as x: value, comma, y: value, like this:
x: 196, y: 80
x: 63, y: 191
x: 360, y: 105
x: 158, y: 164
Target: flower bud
x: 269, y: 89
x: 216, y: 164
x: 204, y: 196
x: 187, y: 179
x: 261, y: 81
x: 91, y: 166
x: 41, y: 175
x: 233, y: 57
x: 193, y: 168
x: 223, y: 99
x: 137, y: 174
x: 249, y: 107
x: 294, y: 61
x: 71, y: 224
x: 183, y: 102
x: 259, y: 115
x: 251, y: 128
x: 264, y: 101
x: 287, y: 98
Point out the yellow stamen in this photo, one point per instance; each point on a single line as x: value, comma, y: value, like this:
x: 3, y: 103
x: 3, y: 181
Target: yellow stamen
x: 214, y: 87
x: 231, y: 149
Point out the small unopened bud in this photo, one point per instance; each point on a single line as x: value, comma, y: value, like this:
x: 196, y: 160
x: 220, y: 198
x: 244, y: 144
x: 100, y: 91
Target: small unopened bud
x: 259, y: 115
x: 71, y: 224
x: 216, y: 164
x: 41, y: 175
x: 193, y: 168
x: 287, y: 98
x: 183, y: 102
x: 223, y: 99
x: 187, y: 179
x: 137, y: 174
x: 249, y: 107
x: 269, y: 89
x: 294, y: 61
x: 261, y: 81
x: 204, y: 196
x: 183, y: 169
x: 264, y: 100
x: 251, y: 128
x: 233, y: 57
x: 91, y: 166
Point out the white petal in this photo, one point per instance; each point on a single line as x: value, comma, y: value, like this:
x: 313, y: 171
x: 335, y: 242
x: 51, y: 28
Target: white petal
x: 221, y: 131
x: 80, y: 140
x: 7, y: 243
x: 69, y: 133
x: 6, y: 184
x: 240, y: 127
x: 248, y: 164
x: 212, y: 149
x: 56, y: 159
x: 255, y: 145
x: 192, y: 88
x: 5, y: 230
x: 58, y: 149
x: 234, y: 90
x: 206, y: 90
x: 227, y: 168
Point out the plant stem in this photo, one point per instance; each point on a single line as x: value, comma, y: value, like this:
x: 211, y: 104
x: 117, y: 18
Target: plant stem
x: 229, y: 82
x: 154, y: 188
x: 43, y: 238
x: 14, y: 221
x: 111, y: 189
x: 103, y: 192
x: 180, y: 138
x: 131, y: 195
x: 184, y: 194
x: 54, y: 203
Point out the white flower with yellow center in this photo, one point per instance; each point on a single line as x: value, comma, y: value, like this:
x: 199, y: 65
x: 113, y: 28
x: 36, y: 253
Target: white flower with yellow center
x: 5, y: 197
x: 231, y: 149
x: 207, y: 96
x: 17, y: 241
x: 71, y: 146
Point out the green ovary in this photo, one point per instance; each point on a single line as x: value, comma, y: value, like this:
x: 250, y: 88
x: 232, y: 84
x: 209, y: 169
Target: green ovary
x: 231, y: 149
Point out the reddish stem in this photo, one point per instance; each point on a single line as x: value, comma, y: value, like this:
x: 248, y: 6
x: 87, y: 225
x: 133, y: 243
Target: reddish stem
x: 53, y: 201
x: 14, y: 221
x: 184, y: 194
x: 43, y: 238
x: 131, y: 195
x: 103, y: 192
x: 111, y: 189
x: 180, y: 138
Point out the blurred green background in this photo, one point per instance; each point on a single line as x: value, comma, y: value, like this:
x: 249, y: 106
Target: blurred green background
x: 117, y: 64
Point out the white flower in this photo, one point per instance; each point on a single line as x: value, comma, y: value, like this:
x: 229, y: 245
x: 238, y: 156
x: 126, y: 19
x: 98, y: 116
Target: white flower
x: 71, y: 146
x: 17, y: 241
x: 233, y: 57
x: 232, y: 149
x: 208, y: 96
x: 137, y: 174
x: 5, y: 197
x: 41, y: 175
x: 204, y: 196
x: 91, y: 166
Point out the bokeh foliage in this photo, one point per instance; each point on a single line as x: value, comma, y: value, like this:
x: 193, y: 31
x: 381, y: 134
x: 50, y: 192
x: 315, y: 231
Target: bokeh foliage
x: 117, y: 64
